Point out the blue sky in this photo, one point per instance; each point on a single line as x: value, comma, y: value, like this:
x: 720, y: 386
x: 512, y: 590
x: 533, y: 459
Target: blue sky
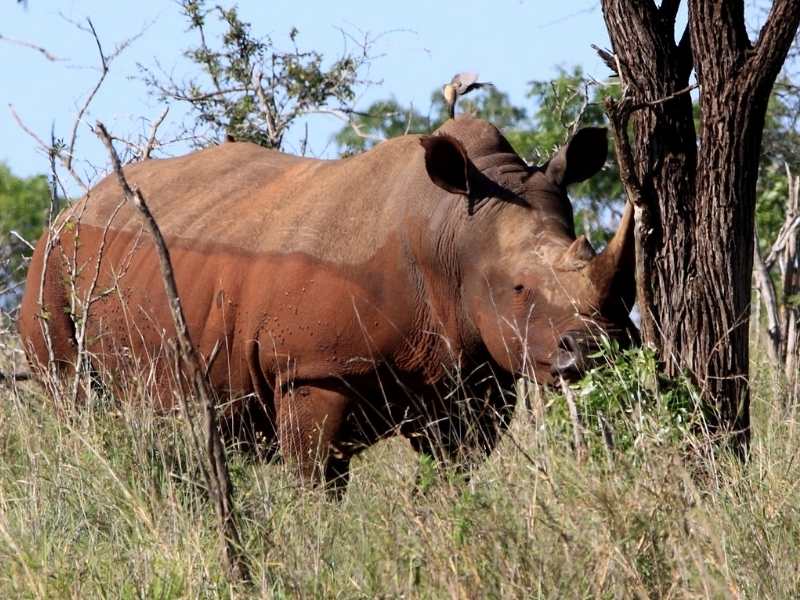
x: 510, y: 42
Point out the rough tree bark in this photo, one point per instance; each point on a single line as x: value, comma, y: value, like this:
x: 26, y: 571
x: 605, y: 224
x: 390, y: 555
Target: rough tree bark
x: 695, y: 217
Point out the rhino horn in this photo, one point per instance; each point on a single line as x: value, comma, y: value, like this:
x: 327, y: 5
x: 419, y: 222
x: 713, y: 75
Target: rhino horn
x: 613, y: 270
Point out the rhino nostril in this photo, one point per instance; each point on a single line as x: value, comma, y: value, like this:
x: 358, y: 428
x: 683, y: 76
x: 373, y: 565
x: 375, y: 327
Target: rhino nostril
x: 568, y: 360
x: 565, y: 361
x: 566, y: 365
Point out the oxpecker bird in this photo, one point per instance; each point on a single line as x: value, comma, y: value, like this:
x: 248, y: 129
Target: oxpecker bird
x: 460, y: 84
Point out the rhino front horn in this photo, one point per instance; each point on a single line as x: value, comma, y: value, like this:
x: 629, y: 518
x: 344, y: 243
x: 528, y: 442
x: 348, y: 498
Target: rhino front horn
x: 613, y: 270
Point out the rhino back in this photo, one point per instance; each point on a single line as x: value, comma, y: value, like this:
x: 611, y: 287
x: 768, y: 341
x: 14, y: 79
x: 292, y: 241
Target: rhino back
x: 258, y: 201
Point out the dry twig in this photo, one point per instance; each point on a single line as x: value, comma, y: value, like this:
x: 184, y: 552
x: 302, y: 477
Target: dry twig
x: 152, y: 142
x: 577, y: 427
x: 44, y: 52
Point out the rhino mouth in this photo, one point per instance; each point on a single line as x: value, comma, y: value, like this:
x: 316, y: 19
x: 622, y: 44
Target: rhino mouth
x: 580, y: 351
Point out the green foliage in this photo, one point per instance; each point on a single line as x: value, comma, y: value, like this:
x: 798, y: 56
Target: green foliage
x: 427, y: 473
x: 252, y: 90
x: 625, y: 402
x: 23, y: 208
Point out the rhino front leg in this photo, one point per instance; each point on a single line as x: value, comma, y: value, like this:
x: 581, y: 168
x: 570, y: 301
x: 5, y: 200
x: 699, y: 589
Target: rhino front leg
x: 310, y: 420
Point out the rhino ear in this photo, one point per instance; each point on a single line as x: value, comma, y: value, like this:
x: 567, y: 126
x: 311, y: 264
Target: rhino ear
x: 577, y: 256
x: 583, y: 156
x: 447, y: 163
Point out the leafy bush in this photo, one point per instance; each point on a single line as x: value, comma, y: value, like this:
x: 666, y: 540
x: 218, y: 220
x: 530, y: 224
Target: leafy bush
x: 624, y: 403
x: 23, y: 211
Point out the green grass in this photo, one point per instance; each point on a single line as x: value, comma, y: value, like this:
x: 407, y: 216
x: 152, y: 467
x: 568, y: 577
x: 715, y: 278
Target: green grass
x: 108, y: 501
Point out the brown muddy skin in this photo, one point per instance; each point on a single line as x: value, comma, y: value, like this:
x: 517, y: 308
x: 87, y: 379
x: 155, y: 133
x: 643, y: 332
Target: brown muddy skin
x: 347, y: 296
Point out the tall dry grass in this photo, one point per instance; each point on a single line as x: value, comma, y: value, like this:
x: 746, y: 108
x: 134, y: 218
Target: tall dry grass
x: 107, y: 501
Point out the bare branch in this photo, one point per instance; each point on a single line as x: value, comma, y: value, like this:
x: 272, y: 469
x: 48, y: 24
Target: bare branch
x: 26, y: 129
x: 577, y: 427
x: 667, y: 98
x: 50, y: 150
x: 47, y: 54
x: 346, y: 116
x: 576, y: 123
x: 788, y: 228
x: 17, y: 235
x: 177, y: 95
x: 264, y: 104
x: 89, y: 98
x: 607, y: 57
x: 151, y: 142
x: 619, y: 113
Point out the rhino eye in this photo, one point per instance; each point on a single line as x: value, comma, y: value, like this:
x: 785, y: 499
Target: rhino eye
x: 519, y: 288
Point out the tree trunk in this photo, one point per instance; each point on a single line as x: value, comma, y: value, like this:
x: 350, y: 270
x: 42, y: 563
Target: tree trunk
x: 699, y: 199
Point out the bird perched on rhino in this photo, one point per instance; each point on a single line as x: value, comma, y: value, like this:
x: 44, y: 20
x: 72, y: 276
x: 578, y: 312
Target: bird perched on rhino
x: 460, y: 84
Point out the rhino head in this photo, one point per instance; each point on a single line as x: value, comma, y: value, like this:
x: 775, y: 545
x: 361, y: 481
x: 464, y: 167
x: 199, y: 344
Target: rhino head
x: 538, y: 298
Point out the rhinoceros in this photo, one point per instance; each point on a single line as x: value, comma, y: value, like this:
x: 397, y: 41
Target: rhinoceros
x: 399, y: 291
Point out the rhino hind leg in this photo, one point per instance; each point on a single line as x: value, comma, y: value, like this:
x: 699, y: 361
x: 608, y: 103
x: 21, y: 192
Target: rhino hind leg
x: 250, y: 426
x: 310, y: 422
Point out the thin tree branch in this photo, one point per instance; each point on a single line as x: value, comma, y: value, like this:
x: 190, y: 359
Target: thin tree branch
x: 619, y: 113
x: 47, y: 54
x: 346, y: 116
x: 664, y: 99
x: 17, y: 235
x: 152, y: 142
x: 49, y: 149
x: 607, y: 57
x: 177, y: 95
x: 89, y: 98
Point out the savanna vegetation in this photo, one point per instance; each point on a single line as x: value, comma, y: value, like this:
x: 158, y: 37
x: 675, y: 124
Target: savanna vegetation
x: 108, y: 501
x: 615, y: 488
